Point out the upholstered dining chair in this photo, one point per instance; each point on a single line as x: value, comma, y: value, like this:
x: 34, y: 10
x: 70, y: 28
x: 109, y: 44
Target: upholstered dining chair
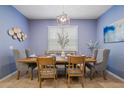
x: 94, y: 55
x: 21, y: 67
x: 32, y: 66
x: 29, y: 53
x: 101, y: 63
x: 95, y: 52
x: 46, y: 69
x: 76, y: 68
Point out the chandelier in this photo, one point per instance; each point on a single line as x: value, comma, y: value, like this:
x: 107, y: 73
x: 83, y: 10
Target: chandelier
x: 63, y: 19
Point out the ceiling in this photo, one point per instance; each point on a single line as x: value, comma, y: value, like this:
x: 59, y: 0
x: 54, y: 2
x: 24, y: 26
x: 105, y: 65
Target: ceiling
x: 52, y: 11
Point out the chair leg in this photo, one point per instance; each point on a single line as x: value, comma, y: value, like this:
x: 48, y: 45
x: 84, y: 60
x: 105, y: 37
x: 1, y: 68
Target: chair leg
x: 91, y: 75
x: 82, y: 82
x: 104, y: 75
x: 55, y: 82
x: 66, y: 75
x: 37, y: 76
x: 84, y: 70
x: 18, y: 75
x: 94, y: 73
x: 56, y: 75
x: 65, y: 69
x: 68, y: 81
x: 26, y: 72
x: 40, y: 83
x: 31, y: 74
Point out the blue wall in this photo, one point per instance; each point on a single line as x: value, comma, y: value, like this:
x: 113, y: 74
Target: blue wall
x: 39, y: 34
x: 10, y: 17
x: 116, y: 61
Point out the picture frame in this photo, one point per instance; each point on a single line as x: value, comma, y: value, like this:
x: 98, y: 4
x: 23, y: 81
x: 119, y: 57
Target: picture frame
x: 114, y: 32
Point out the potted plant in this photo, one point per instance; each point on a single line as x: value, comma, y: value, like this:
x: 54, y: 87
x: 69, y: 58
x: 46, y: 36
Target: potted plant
x: 92, y: 45
x: 63, y: 41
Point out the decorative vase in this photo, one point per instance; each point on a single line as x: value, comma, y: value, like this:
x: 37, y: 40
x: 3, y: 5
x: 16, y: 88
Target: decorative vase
x: 91, y: 51
x: 63, y: 53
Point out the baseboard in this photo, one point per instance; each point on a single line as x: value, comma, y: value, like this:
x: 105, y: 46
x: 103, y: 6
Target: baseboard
x: 116, y: 76
x: 11, y: 74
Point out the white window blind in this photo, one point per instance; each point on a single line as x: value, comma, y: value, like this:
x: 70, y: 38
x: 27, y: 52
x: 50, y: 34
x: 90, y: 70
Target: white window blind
x: 71, y: 31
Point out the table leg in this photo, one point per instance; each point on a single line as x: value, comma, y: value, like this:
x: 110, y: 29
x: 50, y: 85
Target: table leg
x: 31, y: 74
x: 84, y: 70
x: 65, y: 69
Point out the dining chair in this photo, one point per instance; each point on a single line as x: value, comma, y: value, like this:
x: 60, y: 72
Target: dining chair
x: 32, y: 66
x: 94, y: 55
x: 95, y: 52
x: 76, y: 68
x: 21, y: 67
x: 101, y: 63
x: 29, y: 53
x: 46, y: 69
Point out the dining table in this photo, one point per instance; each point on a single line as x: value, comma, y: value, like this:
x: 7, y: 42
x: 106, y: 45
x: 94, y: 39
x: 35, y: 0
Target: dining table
x: 59, y: 61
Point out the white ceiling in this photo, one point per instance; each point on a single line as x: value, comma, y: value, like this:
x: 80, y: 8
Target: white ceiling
x: 52, y: 11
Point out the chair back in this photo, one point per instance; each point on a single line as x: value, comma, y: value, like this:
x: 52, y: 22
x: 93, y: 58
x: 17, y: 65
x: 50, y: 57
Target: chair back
x: 102, y: 59
x: 76, y: 61
x: 102, y: 55
x: 28, y: 52
x: 46, y: 67
x: 16, y: 54
x: 106, y: 57
x: 46, y: 60
x: 95, y: 52
x: 20, y: 66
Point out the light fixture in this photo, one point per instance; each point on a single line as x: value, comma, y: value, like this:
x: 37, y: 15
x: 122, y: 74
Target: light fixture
x: 63, y: 19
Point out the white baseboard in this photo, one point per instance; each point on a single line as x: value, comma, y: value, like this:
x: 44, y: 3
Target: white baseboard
x: 11, y: 74
x: 116, y: 76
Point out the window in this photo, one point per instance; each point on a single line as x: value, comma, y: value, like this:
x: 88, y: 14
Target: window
x: 70, y: 31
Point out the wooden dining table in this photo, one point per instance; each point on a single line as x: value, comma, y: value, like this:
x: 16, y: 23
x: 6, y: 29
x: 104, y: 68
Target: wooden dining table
x: 59, y: 61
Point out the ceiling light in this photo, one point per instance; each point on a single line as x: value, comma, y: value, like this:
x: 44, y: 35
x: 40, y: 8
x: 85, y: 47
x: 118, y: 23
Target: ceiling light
x: 63, y: 19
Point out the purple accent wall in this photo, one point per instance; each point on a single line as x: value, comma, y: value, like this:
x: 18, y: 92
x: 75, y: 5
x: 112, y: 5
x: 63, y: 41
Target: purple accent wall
x: 39, y: 34
x: 116, y: 61
x: 10, y: 17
